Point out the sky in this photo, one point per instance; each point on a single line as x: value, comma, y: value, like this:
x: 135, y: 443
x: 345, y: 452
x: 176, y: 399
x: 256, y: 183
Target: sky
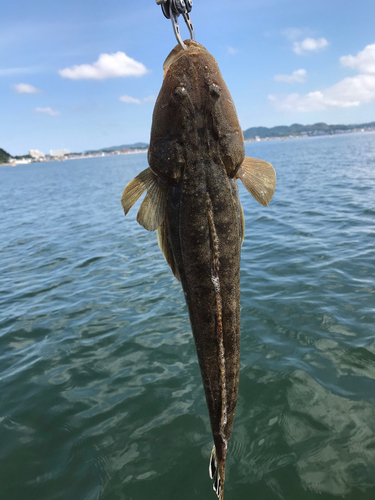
x: 83, y: 74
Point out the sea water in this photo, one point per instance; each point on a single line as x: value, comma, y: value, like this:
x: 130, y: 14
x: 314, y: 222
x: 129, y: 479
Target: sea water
x: 101, y: 393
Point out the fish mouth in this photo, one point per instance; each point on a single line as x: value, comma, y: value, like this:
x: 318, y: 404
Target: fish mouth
x: 178, y: 51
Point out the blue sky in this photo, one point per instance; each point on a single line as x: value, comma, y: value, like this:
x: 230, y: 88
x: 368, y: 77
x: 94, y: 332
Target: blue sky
x: 284, y: 61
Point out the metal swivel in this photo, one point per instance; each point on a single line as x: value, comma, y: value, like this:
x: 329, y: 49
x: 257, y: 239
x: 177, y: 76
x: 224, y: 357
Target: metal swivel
x: 172, y: 9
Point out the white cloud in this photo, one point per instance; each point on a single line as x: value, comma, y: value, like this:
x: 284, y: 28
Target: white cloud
x: 293, y: 33
x: 232, y: 51
x: 26, y: 88
x: 129, y: 100
x: 149, y: 98
x: 309, y: 45
x: 347, y: 93
x: 133, y: 100
x: 107, y: 66
x: 47, y: 111
x: 364, y: 61
x: 298, y: 76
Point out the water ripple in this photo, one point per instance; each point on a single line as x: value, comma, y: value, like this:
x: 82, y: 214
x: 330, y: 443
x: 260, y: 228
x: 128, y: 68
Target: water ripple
x: 102, y: 395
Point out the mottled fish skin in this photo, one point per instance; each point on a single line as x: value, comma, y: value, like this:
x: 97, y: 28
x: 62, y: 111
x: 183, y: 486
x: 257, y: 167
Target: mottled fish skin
x: 195, y: 153
x: 196, y: 141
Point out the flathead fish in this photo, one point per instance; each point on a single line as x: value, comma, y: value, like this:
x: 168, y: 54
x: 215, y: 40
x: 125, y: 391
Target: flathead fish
x: 195, y: 157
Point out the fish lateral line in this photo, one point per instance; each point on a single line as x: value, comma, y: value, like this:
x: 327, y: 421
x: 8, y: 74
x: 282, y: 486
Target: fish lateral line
x: 215, y: 255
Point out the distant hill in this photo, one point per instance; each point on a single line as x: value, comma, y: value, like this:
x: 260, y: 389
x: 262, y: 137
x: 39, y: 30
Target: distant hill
x: 262, y: 132
x: 251, y: 133
x: 297, y: 129
x: 4, y: 156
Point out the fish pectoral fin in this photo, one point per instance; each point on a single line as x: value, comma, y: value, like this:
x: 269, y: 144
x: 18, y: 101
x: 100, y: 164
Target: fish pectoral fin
x: 152, y: 211
x: 136, y: 188
x: 259, y: 178
x: 166, y: 248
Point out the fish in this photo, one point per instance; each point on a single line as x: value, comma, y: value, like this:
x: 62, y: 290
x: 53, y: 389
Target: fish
x: 196, y: 156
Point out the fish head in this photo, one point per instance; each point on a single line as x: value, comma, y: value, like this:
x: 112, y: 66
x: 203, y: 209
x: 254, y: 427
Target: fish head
x: 194, y: 116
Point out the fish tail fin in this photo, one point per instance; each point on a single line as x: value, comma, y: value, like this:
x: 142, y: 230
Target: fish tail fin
x: 212, y: 468
x: 217, y: 473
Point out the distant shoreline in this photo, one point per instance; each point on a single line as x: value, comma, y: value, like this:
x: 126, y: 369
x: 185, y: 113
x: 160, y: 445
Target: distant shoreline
x: 264, y: 139
x: 114, y: 153
x: 139, y: 151
x: 75, y: 157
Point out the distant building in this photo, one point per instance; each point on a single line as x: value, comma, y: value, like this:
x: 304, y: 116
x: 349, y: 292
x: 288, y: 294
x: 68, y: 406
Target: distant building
x: 59, y: 152
x: 37, y: 155
x: 22, y: 161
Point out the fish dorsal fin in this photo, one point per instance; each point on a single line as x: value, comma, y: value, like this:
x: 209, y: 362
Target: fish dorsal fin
x: 136, y: 188
x: 166, y: 249
x: 259, y: 178
x: 152, y: 211
x: 242, y: 233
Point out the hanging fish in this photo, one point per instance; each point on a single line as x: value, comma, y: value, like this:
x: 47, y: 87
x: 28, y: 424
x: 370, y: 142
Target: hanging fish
x: 196, y: 155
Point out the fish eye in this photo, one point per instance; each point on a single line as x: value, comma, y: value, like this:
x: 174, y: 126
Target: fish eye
x: 215, y: 91
x: 180, y: 93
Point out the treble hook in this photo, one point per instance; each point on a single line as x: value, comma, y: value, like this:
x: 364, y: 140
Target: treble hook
x: 172, y: 9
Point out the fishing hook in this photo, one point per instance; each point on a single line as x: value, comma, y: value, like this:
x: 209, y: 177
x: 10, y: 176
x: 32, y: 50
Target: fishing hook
x: 172, y: 9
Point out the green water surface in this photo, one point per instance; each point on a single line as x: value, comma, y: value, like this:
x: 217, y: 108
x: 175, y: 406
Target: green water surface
x: 101, y: 394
